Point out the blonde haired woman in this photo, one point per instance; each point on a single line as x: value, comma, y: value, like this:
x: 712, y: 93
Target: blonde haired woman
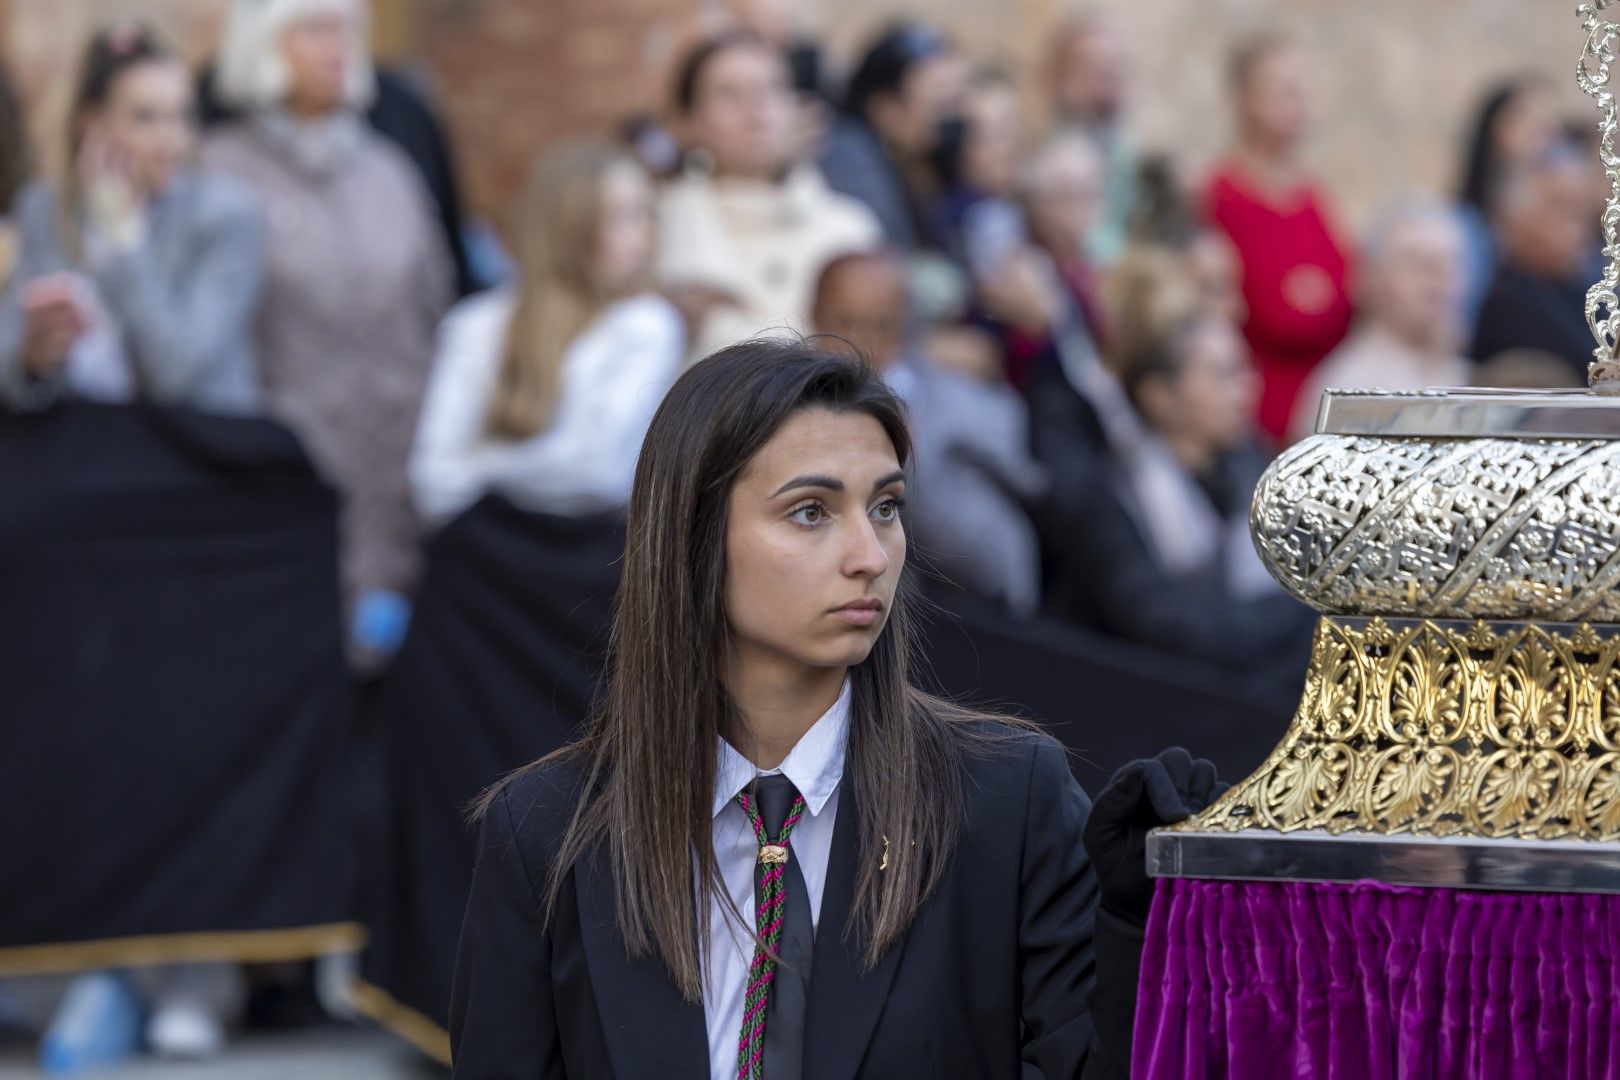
x: 542, y: 391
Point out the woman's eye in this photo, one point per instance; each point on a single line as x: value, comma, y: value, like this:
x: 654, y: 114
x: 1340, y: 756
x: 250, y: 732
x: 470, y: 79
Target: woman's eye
x: 888, y: 509
x: 808, y: 514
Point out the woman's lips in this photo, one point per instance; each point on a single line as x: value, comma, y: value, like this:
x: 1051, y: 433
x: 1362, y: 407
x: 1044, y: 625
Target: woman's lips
x: 860, y: 612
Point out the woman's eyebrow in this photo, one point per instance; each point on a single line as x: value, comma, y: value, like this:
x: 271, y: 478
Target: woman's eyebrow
x: 891, y: 478
x: 832, y: 483
x: 814, y: 480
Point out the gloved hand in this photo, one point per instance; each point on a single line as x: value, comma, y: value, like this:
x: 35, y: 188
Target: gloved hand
x: 1142, y: 795
x: 381, y: 617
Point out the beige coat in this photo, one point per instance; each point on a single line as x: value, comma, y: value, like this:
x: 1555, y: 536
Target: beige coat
x: 765, y: 244
x: 357, y: 281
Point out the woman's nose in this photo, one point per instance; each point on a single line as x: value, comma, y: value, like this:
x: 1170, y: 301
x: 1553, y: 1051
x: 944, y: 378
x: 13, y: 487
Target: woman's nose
x: 866, y: 556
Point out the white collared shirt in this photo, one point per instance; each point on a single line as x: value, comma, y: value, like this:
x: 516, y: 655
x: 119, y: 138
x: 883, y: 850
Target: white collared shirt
x: 816, y: 766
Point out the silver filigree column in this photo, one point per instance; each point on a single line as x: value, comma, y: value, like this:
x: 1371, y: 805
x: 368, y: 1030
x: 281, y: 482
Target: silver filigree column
x: 1602, y: 303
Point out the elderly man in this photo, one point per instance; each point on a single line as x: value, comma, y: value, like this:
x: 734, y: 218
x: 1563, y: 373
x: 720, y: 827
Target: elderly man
x: 973, y: 485
x: 1409, y: 293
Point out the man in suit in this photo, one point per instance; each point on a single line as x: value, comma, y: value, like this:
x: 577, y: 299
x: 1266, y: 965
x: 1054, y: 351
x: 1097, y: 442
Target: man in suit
x: 973, y: 482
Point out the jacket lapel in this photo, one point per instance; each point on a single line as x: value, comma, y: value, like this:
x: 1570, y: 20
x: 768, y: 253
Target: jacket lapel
x: 844, y: 1001
x: 650, y: 1030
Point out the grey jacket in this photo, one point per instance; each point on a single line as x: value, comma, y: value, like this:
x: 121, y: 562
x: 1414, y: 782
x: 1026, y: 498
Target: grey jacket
x: 972, y: 483
x: 854, y: 162
x: 185, y: 300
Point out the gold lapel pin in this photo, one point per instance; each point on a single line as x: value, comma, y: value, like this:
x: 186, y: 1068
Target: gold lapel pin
x: 883, y: 863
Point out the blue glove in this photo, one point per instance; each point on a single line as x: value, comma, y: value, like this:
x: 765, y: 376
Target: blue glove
x: 380, y: 619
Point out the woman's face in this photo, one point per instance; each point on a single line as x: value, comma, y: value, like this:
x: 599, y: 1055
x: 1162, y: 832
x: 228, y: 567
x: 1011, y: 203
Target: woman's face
x: 147, y: 123
x: 744, y: 112
x: 930, y: 93
x: 626, y: 241
x: 1526, y: 126
x: 1210, y: 402
x: 1275, y: 102
x: 994, y: 131
x: 316, y: 49
x: 814, y: 543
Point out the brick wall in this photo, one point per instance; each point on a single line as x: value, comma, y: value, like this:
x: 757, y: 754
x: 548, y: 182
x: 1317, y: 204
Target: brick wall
x: 1398, y: 77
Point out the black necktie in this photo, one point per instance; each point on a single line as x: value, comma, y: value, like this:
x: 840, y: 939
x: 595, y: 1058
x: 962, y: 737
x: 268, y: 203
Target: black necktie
x: 784, y: 1015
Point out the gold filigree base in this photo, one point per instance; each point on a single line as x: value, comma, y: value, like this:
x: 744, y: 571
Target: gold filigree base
x: 1488, y: 730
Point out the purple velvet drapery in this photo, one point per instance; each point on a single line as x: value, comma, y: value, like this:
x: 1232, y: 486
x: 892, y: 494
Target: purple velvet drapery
x: 1253, y: 980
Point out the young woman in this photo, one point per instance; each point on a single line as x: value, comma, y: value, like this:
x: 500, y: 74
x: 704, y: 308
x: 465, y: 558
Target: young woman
x: 1295, y: 269
x: 897, y: 105
x: 542, y: 393
x: 744, y: 222
x: 771, y: 854
x: 1516, y: 122
x: 138, y: 276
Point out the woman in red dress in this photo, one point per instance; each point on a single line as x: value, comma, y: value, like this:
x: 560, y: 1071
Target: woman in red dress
x: 1294, y: 269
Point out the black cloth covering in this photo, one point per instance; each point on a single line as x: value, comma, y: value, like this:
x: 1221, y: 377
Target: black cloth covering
x: 1108, y: 700
x: 173, y: 700
x: 499, y: 669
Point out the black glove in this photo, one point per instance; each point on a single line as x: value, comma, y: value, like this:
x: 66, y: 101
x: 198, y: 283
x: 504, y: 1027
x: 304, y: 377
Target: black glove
x: 1142, y: 795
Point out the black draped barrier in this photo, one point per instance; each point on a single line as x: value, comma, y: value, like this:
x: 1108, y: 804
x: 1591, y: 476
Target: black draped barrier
x: 1106, y: 699
x: 499, y: 667
x: 173, y: 700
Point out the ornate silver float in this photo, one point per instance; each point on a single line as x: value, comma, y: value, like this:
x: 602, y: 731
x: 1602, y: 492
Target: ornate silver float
x: 1460, y: 722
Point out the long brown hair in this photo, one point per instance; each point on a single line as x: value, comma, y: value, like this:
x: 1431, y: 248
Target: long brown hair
x: 111, y: 53
x: 649, y: 751
x: 561, y: 291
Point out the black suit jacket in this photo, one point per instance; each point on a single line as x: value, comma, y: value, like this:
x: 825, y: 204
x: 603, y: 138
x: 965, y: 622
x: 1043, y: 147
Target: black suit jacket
x: 991, y: 980
x: 1107, y: 577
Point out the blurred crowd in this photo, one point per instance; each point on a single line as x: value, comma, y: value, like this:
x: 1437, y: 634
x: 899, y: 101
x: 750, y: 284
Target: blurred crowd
x: 1100, y: 353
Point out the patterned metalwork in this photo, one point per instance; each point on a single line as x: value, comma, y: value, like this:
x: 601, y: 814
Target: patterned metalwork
x: 1464, y: 685
x: 1437, y: 729
x: 1602, y: 303
x: 1446, y: 528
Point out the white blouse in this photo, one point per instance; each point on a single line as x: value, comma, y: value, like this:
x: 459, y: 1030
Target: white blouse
x: 613, y: 377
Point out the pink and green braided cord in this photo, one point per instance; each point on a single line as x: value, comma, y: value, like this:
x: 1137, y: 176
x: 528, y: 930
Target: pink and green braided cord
x: 768, y: 916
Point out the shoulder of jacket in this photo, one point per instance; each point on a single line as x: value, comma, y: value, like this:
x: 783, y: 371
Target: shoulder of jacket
x: 854, y: 216
x: 1012, y: 770
x: 222, y: 200
x: 538, y: 802
x: 997, y: 745
x: 487, y: 309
